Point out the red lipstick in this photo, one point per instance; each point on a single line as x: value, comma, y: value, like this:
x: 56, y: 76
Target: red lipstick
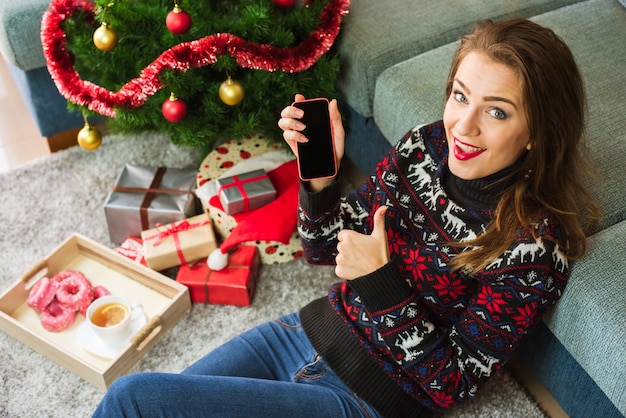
x: 464, y: 152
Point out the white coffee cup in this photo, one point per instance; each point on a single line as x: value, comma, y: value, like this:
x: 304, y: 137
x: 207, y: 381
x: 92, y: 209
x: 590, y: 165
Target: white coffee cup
x: 110, y: 318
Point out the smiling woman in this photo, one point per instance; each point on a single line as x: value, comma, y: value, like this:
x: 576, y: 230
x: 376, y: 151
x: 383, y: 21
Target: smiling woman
x: 452, y: 250
x: 524, y: 83
x: 486, y: 124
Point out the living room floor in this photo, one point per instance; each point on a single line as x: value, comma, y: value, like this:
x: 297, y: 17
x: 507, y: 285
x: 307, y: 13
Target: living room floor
x: 20, y: 140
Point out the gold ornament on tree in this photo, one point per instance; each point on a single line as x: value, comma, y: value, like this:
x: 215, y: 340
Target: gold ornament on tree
x: 105, y: 37
x: 231, y: 92
x: 89, y: 138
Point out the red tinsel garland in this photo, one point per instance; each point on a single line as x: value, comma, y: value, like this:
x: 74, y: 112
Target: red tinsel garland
x: 182, y: 57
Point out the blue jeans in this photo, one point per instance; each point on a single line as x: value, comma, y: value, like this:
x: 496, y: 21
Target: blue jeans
x: 269, y: 371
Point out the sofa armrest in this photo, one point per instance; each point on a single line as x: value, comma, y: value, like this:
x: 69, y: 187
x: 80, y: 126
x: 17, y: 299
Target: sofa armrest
x: 20, y: 27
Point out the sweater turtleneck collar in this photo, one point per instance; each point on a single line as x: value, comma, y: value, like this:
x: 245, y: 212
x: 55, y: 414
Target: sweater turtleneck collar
x: 482, y: 193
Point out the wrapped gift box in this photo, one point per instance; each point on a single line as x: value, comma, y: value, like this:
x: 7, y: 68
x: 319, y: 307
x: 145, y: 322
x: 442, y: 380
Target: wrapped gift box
x: 145, y: 196
x: 245, y: 192
x: 179, y: 242
x: 219, y: 163
x: 234, y: 285
x: 132, y: 248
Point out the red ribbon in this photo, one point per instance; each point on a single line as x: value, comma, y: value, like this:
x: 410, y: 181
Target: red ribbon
x: 173, y: 231
x: 238, y: 183
x: 208, y: 276
x: 182, y: 57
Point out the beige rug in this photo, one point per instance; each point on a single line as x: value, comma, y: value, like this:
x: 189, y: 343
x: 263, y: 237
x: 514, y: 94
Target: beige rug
x: 47, y: 200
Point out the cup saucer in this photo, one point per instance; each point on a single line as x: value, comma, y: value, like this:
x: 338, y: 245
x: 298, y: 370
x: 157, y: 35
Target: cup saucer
x: 93, y: 344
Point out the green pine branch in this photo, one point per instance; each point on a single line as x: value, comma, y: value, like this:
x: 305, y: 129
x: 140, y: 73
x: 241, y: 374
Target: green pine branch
x: 143, y: 36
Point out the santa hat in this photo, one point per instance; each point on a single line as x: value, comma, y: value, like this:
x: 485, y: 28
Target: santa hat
x: 275, y: 221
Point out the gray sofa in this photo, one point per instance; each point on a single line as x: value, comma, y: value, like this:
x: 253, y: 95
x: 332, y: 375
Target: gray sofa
x: 396, y: 56
x: 20, y: 46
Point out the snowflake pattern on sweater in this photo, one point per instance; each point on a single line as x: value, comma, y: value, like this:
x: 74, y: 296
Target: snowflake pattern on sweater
x: 439, y: 334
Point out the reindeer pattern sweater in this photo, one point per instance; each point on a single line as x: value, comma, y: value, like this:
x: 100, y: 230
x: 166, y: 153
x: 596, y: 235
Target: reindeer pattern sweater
x: 414, y: 334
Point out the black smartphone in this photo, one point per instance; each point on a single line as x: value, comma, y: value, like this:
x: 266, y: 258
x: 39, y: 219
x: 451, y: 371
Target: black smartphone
x: 316, y: 158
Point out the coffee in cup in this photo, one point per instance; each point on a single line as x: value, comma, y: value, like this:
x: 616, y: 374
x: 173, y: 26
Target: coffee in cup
x: 110, y: 317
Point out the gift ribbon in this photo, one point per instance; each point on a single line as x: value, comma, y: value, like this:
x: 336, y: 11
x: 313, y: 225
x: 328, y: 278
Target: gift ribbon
x: 144, y: 190
x: 198, y: 264
x: 150, y: 192
x: 208, y: 276
x: 238, y: 183
x: 145, y: 204
x: 173, y: 231
x: 206, y: 286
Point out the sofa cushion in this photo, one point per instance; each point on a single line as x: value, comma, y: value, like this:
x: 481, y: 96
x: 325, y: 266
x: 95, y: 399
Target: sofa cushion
x: 378, y: 34
x: 589, y: 319
x: 412, y: 92
x: 20, y: 25
x: 597, y: 41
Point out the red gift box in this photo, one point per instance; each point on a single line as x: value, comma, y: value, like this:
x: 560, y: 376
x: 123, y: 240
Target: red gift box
x: 132, y: 248
x: 234, y: 285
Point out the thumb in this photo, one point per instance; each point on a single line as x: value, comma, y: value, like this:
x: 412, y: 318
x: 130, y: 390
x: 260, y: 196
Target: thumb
x: 338, y: 131
x: 335, y: 115
x: 380, y: 232
x: 379, y: 223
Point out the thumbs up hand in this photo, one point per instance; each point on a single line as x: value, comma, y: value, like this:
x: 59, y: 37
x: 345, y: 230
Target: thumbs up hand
x: 360, y: 254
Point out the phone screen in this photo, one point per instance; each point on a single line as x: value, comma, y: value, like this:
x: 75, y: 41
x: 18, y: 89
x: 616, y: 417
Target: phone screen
x: 316, y: 158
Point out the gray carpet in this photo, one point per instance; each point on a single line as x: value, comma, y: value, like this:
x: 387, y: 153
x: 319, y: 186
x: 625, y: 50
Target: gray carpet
x: 47, y: 200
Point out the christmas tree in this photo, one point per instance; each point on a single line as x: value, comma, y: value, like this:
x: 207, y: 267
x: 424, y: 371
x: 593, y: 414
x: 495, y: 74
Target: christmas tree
x: 201, y: 71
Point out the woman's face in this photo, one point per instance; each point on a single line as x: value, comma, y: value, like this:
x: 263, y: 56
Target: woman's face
x: 484, y: 118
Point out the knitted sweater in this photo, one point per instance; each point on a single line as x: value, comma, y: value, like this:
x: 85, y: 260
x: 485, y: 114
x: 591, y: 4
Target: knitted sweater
x: 414, y: 334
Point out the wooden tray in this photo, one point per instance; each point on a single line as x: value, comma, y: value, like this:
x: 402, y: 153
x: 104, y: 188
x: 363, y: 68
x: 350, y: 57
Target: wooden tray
x: 164, y: 302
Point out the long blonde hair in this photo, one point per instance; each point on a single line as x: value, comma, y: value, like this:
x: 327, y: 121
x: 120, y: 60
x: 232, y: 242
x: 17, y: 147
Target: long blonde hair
x: 551, y: 176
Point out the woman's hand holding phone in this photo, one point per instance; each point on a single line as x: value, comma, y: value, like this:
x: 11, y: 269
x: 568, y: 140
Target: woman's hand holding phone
x: 318, y: 156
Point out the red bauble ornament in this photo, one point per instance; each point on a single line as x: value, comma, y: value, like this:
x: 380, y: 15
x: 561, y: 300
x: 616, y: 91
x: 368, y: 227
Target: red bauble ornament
x: 174, y: 109
x: 284, y: 4
x: 178, y: 21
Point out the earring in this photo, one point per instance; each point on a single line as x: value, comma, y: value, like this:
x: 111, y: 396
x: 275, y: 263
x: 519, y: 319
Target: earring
x: 528, y: 173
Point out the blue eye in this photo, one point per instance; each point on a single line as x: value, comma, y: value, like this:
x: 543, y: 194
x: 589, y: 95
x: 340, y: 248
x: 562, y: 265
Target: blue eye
x: 459, y: 97
x: 497, y: 113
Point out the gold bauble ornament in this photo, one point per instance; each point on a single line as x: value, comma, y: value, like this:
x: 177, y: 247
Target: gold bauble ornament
x: 105, y: 38
x: 89, y: 138
x: 231, y: 92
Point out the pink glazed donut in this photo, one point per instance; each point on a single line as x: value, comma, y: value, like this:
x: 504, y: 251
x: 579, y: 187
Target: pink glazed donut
x: 74, y: 291
x: 98, y: 292
x: 56, y: 317
x: 42, y: 294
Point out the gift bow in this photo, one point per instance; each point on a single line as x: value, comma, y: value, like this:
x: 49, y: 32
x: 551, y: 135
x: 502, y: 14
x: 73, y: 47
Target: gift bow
x: 174, y: 229
x: 238, y: 183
